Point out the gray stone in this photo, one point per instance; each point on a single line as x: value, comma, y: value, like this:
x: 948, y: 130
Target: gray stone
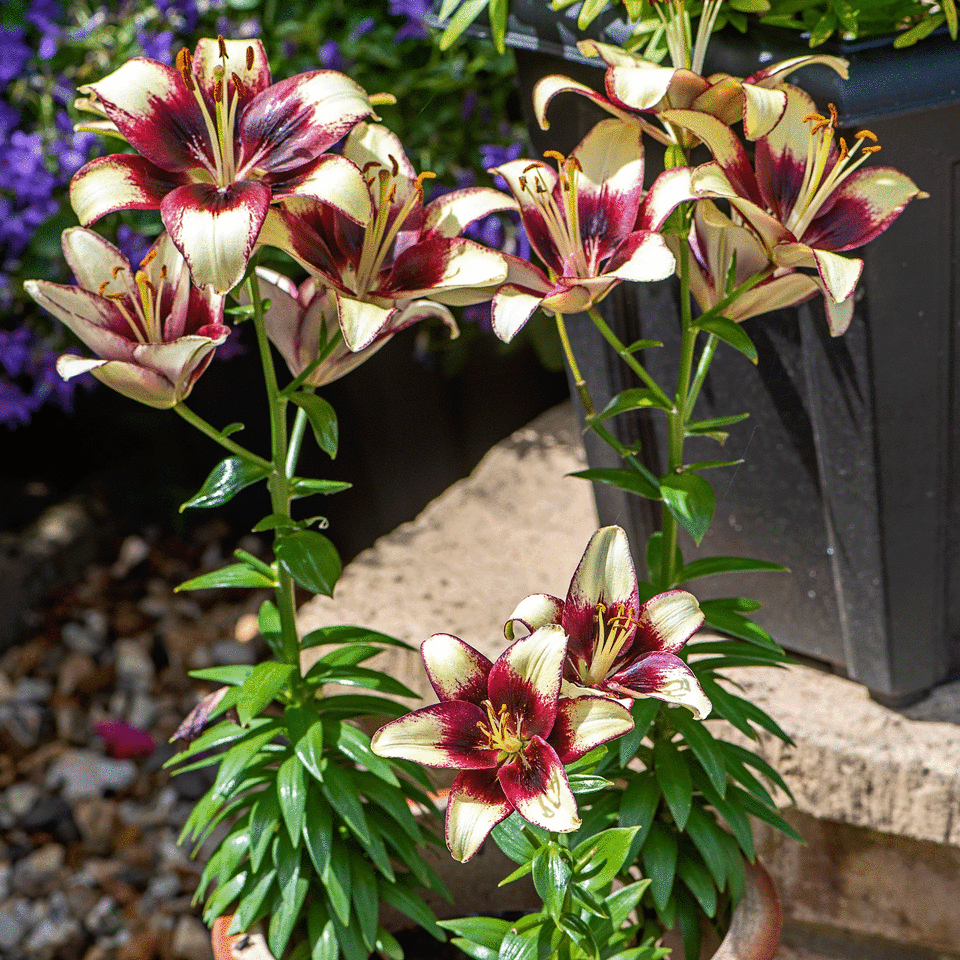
x: 83, y: 773
x: 135, y: 670
x: 35, y: 873
x: 191, y: 940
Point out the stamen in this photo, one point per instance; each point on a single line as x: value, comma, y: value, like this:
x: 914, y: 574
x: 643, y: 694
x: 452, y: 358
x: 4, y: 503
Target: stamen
x: 249, y: 58
x: 116, y: 271
x: 555, y: 155
x: 149, y: 258
x: 238, y: 85
x: 101, y: 291
x: 184, y: 65
x: 223, y: 46
x: 394, y: 166
x: 368, y: 165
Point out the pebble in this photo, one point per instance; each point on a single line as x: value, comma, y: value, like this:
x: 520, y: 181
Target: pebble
x: 90, y: 868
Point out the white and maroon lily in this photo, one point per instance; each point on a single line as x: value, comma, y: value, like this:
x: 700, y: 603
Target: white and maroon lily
x: 806, y: 197
x: 152, y: 329
x: 217, y: 142
x: 508, y: 731
x: 303, y: 323
x: 637, y: 89
x: 399, y: 250
x: 616, y: 644
x: 589, y: 222
x: 719, y: 243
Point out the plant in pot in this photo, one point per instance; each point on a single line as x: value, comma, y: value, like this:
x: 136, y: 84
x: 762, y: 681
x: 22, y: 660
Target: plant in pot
x: 312, y: 822
x: 817, y: 404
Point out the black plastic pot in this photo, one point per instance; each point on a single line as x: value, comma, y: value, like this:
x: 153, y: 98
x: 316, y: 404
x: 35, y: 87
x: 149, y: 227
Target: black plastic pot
x: 852, y: 444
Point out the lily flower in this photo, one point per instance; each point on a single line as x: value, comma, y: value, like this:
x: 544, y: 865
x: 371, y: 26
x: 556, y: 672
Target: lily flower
x: 303, y: 323
x: 616, y: 644
x: 399, y: 250
x: 217, y: 142
x: 636, y: 88
x: 154, y: 330
x: 808, y: 198
x: 505, y: 727
x: 717, y: 243
x: 589, y: 223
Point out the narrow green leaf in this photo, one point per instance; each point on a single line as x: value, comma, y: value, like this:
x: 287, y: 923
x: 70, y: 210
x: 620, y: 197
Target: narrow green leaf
x: 690, y: 499
x: 337, y: 883
x: 607, y: 854
x: 323, y: 420
x: 467, y: 12
x: 226, y: 479
x: 309, y: 748
x: 286, y: 913
x: 412, y: 906
x: 636, y: 398
x: 708, y: 566
x: 623, y: 479
x: 484, y: 931
x: 660, y: 862
x: 320, y: 930
x: 345, y: 633
x: 730, y: 333
x: 714, y: 424
x: 708, y: 837
x: 340, y: 790
x: 673, y: 775
x: 264, y: 820
x: 311, y: 559
x: 292, y: 791
x: 261, y: 687
x: 366, y: 901
x: 355, y: 745
x: 235, y: 575
x: 550, y: 878
x: 704, y: 746
x: 727, y: 621
x: 307, y: 487
x: 318, y: 831
x: 638, y: 804
x: 233, y: 675
x: 699, y: 882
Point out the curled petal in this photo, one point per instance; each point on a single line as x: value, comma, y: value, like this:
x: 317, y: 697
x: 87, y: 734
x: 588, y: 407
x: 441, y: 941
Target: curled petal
x: 538, y: 788
x: 442, y: 735
x: 548, y: 87
x: 535, y: 611
x: 642, y: 257
x: 663, y: 676
x: 332, y: 180
x: 476, y: 805
x: 456, y: 671
x: 586, y: 722
x: 92, y: 259
x: 669, y: 190
x: 216, y: 229
x: 838, y: 274
x: 666, y: 622
x: 450, y: 214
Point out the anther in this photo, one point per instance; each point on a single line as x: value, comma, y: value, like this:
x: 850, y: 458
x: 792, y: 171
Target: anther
x: 249, y: 58
x: 238, y: 85
x: 394, y: 166
x: 218, y: 90
x: 555, y: 155
x: 223, y: 46
x: 116, y: 271
x: 185, y: 68
x: 103, y: 288
x: 368, y: 165
x: 532, y: 166
x: 149, y: 258
x: 868, y: 134
x: 392, y: 195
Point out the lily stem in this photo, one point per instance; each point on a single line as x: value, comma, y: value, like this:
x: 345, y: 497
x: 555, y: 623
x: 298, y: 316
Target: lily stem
x: 214, y: 434
x: 278, y: 481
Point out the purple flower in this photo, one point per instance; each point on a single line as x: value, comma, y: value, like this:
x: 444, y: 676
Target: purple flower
x: 14, y: 54
x: 330, y: 57
x: 45, y: 15
x: 362, y: 29
x: 157, y: 46
x: 414, y: 11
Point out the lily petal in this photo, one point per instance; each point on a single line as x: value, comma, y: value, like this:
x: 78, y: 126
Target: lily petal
x: 526, y: 677
x: 839, y: 274
x: 450, y: 214
x: 667, y: 621
x: 123, y: 181
x: 130, y: 379
x: 476, y: 805
x: 216, y: 229
x: 664, y: 676
x: 442, y: 735
x: 534, y: 611
x: 538, y: 788
x: 586, y: 722
x: 605, y: 576
x: 456, y: 671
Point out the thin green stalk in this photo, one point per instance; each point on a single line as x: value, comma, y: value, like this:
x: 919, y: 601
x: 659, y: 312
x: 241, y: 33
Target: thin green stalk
x: 628, y: 358
x: 706, y: 358
x: 296, y: 441
x: 278, y: 482
x: 211, y: 431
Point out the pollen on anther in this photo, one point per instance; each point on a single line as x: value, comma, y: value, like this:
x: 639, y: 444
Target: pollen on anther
x: 532, y: 166
x: 394, y: 166
x: 115, y: 271
x: 223, y: 46
x: 868, y: 134
x: 148, y: 258
x: 184, y: 64
x: 238, y: 85
x: 249, y: 58
x: 102, y: 290
x: 555, y: 155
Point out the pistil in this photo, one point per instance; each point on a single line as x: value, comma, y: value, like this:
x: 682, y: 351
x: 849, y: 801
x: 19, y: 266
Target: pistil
x: 502, y: 731
x: 612, y: 635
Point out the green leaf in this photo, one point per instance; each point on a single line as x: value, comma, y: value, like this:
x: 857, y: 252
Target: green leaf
x: 748, y: 757
x: 699, y: 882
x: 551, y: 874
x: 690, y: 499
x: 606, y: 853
x: 286, y: 913
x: 704, y: 746
x: 311, y: 559
x: 321, y: 933
x: 340, y: 790
x: 639, y: 802
x: 344, y: 633
x: 337, y: 883
x: 655, y: 558
x: 226, y: 479
x: 715, y: 424
x: 366, y: 900
x: 257, y: 900
x: 260, y: 688
x: 307, y: 487
x: 412, y: 906
x: 355, y: 745
x: 708, y: 566
x: 359, y: 704
x: 264, y: 819
x: 512, y: 836
x: 233, y: 675
x: 727, y: 621
x: 318, y: 832
x: 233, y: 575
x: 673, y: 775
x: 359, y: 677
x: 636, y: 398
x: 708, y: 837
x: 486, y: 932
x: 322, y: 419
x: 623, y: 479
x: 660, y: 862
x: 309, y: 748
x: 292, y: 790
x: 467, y: 12
x: 730, y: 333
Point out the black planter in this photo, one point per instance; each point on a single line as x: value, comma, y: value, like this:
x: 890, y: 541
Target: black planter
x: 852, y: 444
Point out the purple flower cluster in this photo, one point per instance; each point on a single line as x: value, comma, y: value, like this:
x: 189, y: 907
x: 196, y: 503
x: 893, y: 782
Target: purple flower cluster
x: 414, y: 11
